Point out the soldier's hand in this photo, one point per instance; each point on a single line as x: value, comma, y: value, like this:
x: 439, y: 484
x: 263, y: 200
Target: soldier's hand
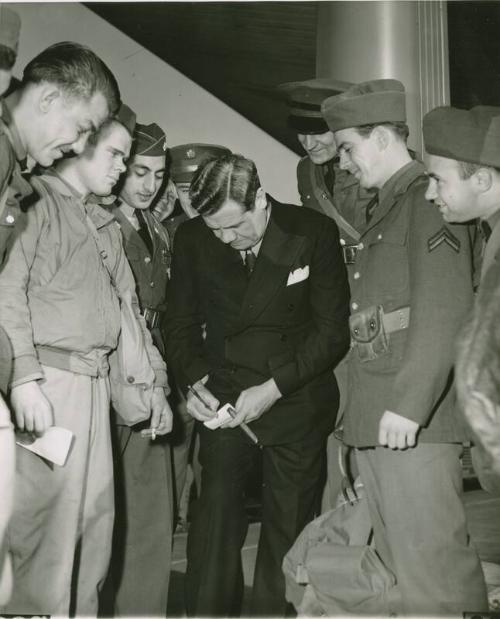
x: 254, y: 402
x: 32, y: 410
x: 161, y: 415
x: 396, y: 431
x: 205, y: 405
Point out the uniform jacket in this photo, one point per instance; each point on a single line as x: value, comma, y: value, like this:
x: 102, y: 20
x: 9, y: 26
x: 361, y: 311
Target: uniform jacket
x: 409, y: 257
x: 491, y: 253
x: 54, y: 288
x: 150, y: 271
x: 261, y: 327
x: 346, y: 205
x: 13, y: 187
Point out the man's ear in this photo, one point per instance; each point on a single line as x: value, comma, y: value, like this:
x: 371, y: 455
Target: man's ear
x: 47, y: 95
x: 260, y: 199
x: 382, y: 137
x: 483, y: 179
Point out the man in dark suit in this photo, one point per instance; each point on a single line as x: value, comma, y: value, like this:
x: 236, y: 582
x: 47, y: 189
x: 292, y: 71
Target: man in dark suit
x: 268, y: 284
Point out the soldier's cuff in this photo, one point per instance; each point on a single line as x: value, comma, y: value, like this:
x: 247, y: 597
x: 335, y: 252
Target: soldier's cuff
x: 25, y: 368
x: 161, y: 380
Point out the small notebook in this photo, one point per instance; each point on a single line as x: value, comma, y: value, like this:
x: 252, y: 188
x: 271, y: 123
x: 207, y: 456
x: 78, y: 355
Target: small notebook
x: 224, y: 413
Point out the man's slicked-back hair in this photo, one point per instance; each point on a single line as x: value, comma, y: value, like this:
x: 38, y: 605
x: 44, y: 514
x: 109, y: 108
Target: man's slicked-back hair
x: 77, y: 70
x: 230, y: 177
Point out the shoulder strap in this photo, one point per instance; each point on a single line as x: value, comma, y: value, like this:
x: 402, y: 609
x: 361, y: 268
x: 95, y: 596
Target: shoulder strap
x: 3, y: 200
x: 102, y: 252
x: 330, y: 209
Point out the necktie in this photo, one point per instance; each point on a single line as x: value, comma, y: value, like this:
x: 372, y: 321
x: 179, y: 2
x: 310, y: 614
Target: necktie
x: 250, y: 259
x: 329, y: 177
x: 143, y: 230
x: 370, y: 207
x: 485, y: 230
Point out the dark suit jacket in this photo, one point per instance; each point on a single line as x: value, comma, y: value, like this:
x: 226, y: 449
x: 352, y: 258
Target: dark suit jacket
x: 261, y: 327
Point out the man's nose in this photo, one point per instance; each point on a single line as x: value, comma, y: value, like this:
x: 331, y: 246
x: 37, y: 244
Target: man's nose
x: 149, y: 183
x: 310, y: 141
x: 78, y: 146
x: 431, y: 192
x: 227, y: 236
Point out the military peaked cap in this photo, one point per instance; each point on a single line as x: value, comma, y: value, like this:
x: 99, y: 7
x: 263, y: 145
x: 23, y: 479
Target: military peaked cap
x: 304, y: 100
x: 187, y: 158
x: 465, y: 135
x: 373, y: 102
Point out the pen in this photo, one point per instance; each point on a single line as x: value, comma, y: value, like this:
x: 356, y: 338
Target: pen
x: 251, y: 435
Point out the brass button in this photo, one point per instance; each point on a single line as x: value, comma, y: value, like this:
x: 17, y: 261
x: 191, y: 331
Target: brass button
x: 342, y: 242
x: 130, y: 379
x: 361, y: 246
x: 356, y: 275
x: 152, y: 284
x: 372, y: 325
x: 356, y: 331
x: 147, y: 259
x: 354, y: 306
x: 9, y: 219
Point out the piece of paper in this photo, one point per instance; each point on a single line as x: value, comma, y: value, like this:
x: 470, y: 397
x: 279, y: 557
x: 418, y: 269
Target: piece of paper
x: 221, y: 417
x: 53, y: 445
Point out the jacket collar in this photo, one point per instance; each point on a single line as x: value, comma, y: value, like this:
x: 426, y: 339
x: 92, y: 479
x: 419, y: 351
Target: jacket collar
x: 99, y: 216
x: 396, y: 186
x: 12, y: 132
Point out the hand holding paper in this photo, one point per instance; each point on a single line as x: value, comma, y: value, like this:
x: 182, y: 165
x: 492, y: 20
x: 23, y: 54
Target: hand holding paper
x: 53, y: 445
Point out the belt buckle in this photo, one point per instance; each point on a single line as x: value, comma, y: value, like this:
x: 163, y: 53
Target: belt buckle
x: 151, y: 317
x: 349, y: 252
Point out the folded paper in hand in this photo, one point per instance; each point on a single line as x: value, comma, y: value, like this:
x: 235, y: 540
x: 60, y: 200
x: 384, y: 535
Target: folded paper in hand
x: 222, y: 415
x: 53, y: 445
x: 299, y: 275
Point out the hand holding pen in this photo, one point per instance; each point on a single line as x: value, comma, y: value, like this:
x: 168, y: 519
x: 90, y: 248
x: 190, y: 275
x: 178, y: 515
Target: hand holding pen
x: 251, y: 435
x: 201, y: 404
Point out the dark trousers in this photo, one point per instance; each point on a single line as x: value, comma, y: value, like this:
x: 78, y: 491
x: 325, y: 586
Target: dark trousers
x: 291, y: 485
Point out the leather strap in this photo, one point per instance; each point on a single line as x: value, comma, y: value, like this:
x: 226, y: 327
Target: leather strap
x: 329, y: 208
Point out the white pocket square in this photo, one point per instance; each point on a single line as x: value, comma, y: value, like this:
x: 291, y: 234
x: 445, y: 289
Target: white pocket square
x: 299, y: 275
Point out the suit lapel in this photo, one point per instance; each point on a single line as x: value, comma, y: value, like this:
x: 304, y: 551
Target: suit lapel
x: 276, y: 258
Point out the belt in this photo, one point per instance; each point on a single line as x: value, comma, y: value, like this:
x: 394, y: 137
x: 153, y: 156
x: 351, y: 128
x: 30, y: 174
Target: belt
x: 397, y: 320
x: 89, y: 364
x: 152, y: 317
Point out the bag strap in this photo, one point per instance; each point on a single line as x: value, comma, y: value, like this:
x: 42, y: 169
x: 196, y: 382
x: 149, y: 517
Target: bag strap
x: 102, y: 252
x: 329, y: 208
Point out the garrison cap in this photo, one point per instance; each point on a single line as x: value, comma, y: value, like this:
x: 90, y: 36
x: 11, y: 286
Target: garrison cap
x: 126, y: 116
x: 10, y: 25
x: 187, y: 158
x: 304, y: 101
x: 372, y: 102
x: 149, y: 140
x: 465, y: 135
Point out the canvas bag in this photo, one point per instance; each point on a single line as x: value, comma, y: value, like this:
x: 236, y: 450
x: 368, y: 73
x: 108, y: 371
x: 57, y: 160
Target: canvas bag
x: 331, y: 569
x: 131, y: 377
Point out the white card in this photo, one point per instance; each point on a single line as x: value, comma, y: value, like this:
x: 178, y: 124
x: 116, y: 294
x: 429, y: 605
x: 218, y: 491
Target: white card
x: 221, y: 417
x: 53, y: 445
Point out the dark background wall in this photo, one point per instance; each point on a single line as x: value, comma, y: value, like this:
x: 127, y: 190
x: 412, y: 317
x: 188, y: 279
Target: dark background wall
x: 237, y: 51
x: 474, y: 44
